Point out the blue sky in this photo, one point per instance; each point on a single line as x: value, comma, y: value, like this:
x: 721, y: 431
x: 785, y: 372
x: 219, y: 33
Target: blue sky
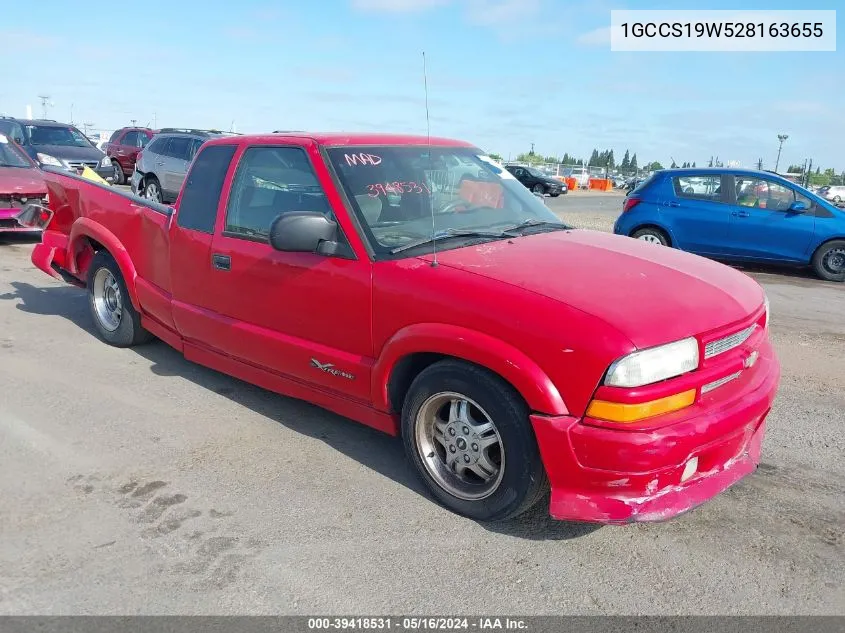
x: 502, y: 73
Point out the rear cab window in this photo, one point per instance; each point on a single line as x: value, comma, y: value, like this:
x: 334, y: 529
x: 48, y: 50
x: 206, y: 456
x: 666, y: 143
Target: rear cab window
x: 201, y: 193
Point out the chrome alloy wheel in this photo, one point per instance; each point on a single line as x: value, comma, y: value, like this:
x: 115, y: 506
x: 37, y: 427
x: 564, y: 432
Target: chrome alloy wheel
x: 459, y: 446
x: 108, y: 304
x: 650, y: 238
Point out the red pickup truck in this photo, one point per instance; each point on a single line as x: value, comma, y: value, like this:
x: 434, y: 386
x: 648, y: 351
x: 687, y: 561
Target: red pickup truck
x: 414, y: 285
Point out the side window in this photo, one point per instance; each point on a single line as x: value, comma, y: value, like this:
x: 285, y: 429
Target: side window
x: 271, y: 181
x: 114, y: 136
x: 201, y: 192
x: 195, y: 147
x: 159, y: 146
x: 145, y: 138
x: 763, y: 194
x: 179, y: 147
x: 707, y: 188
x: 130, y: 139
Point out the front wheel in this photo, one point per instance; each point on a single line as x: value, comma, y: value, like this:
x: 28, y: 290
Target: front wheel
x: 837, y: 199
x: 829, y: 261
x: 115, y: 319
x: 468, y: 435
x: 119, y: 178
x: 538, y: 189
x: 152, y: 190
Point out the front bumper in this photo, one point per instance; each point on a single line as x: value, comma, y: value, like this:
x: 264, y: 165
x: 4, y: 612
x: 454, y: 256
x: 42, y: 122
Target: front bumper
x: 606, y: 475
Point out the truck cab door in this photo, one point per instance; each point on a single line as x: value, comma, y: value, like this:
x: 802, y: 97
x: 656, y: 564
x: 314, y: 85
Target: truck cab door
x: 191, y: 234
x: 304, y: 316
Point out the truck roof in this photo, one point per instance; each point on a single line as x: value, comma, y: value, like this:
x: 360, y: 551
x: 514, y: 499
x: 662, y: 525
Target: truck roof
x: 341, y: 139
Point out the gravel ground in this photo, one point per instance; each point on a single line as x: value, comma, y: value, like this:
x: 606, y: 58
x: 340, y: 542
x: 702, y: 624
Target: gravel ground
x: 132, y: 481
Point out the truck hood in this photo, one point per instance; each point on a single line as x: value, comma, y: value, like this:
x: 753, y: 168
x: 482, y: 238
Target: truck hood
x: 69, y: 152
x: 651, y: 294
x: 21, y: 181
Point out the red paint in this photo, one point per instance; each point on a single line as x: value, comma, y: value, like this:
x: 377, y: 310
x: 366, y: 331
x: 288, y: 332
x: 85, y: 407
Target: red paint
x: 18, y: 184
x: 548, y: 313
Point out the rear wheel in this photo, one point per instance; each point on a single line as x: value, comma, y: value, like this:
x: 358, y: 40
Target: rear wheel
x: 652, y: 236
x: 469, y: 437
x: 119, y: 178
x: 152, y: 189
x: 115, y: 319
x: 837, y: 199
x: 829, y: 261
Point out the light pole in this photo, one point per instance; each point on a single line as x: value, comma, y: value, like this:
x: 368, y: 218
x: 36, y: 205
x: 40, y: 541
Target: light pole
x: 781, y: 138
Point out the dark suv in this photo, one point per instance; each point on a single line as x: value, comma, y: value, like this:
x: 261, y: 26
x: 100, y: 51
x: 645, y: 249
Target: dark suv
x: 161, y: 166
x: 56, y: 144
x: 123, y: 148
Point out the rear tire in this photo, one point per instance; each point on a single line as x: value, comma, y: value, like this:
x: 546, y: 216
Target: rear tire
x: 119, y: 177
x: 115, y: 319
x: 829, y: 261
x: 467, y: 433
x: 652, y: 236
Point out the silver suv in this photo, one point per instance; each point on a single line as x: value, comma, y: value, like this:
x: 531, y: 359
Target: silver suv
x: 162, y: 165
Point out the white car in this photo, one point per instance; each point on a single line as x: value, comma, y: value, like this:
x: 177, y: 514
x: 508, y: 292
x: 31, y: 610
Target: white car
x: 834, y: 194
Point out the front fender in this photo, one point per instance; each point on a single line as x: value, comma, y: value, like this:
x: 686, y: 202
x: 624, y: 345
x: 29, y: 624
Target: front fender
x: 77, y: 260
x: 514, y: 366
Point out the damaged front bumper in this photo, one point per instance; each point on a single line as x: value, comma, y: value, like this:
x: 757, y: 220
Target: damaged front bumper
x: 608, y: 475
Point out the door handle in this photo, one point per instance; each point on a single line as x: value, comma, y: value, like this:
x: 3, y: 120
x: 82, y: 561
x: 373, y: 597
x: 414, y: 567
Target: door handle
x: 221, y: 262
x: 674, y: 204
x: 741, y: 214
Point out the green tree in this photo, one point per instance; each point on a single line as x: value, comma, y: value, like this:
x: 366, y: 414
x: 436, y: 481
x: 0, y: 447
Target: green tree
x: 625, y: 165
x: 693, y: 164
x: 495, y: 156
x: 795, y: 169
x: 633, y: 163
x: 531, y: 159
x: 611, y: 160
x: 673, y: 165
x: 594, y: 158
x: 654, y: 166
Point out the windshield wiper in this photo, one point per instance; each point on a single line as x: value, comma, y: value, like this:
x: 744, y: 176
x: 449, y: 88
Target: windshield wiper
x: 448, y: 234
x: 531, y: 224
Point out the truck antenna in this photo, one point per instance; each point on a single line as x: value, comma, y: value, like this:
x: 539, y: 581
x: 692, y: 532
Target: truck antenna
x: 428, y: 135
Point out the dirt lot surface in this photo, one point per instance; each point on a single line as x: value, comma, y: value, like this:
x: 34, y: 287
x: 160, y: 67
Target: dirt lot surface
x: 132, y: 481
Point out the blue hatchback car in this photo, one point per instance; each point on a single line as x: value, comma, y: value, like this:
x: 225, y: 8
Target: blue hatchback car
x: 737, y: 215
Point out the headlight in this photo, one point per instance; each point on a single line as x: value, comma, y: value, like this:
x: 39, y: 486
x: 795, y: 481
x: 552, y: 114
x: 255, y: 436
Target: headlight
x: 106, y: 162
x: 46, y: 159
x: 653, y: 365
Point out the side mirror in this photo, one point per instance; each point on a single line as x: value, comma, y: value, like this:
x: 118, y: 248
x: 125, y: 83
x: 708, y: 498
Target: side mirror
x: 303, y: 232
x: 798, y: 207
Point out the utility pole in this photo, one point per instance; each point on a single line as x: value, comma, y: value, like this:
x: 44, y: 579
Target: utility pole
x: 804, y: 176
x: 809, y: 171
x: 759, y: 164
x: 133, y: 122
x: 781, y: 138
x: 45, y: 101
x: 71, y: 114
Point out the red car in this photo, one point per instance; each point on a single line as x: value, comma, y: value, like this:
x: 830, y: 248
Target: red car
x: 415, y: 286
x: 20, y: 184
x: 123, y: 148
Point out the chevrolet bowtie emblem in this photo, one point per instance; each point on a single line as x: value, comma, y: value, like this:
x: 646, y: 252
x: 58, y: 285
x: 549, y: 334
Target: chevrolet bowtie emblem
x: 751, y: 359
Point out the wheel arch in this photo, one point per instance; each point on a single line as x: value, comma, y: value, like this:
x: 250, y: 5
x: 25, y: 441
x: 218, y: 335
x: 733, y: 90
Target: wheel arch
x: 87, y: 238
x: 416, y: 347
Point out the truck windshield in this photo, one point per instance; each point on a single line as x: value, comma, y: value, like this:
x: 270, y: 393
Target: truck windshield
x: 11, y: 156
x: 53, y: 135
x: 403, y: 194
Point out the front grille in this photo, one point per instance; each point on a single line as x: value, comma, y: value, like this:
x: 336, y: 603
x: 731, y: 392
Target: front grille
x: 722, y: 345
x: 718, y: 383
x: 79, y: 164
x: 18, y: 201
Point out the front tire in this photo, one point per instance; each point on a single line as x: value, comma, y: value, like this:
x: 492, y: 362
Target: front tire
x: 115, y: 319
x: 829, y: 261
x: 468, y: 435
x: 538, y: 189
x: 652, y: 236
x: 119, y: 177
x: 152, y: 190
